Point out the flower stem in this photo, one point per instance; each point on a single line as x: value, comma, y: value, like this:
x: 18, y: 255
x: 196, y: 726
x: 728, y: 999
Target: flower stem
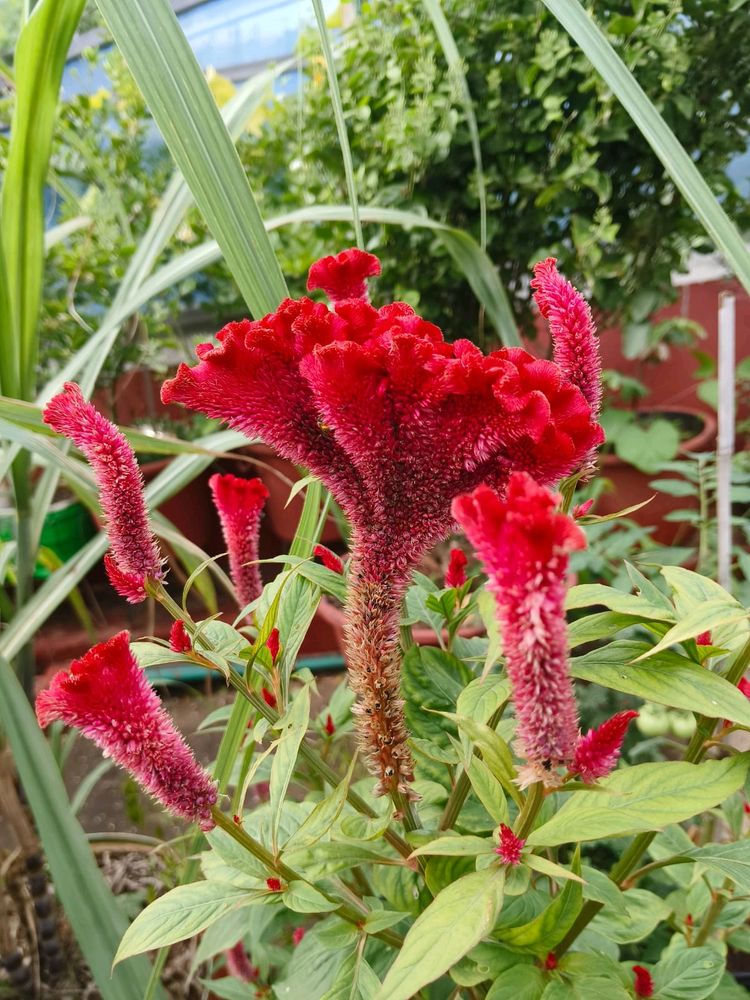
x: 721, y: 898
x: 531, y: 806
x: 462, y: 786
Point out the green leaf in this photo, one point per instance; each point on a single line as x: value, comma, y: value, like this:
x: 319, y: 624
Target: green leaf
x: 355, y: 980
x: 602, y: 889
x: 495, y: 753
x: 645, y: 797
x: 380, y: 920
x: 667, y: 679
x: 488, y: 790
x: 456, y: 920
x: 648, y: 448
x: 158, y: 55
x: 544, y: 932
x: 644, y: 912
x: 183, y: 912
x: 95, y: 918
x: 587, y: 594
x: 304, y: 898
x: 323, y: 816
x: 544, y: 866
x: 458, y: 847
x: 688, y: 974
x: 522, y: 982
x: 730, y: 860
x: 431, y: 679
x: 600, y: 625
x: 483, y: 696
x: 710, y: 615
x: 285, y: 758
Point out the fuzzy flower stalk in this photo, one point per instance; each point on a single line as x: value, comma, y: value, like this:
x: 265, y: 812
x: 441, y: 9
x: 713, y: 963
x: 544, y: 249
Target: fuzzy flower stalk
x: 396, y: 423
x: 240, y: 503
x: 107, y: 696
x: 523, y: 542
x: 134, y: 557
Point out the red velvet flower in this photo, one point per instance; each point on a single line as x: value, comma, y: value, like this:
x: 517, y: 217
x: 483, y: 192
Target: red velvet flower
x: 329, y: 727
x: 329, y: 559
x: 396, y: 423
x: 644, y: 983
x: 179, y: 640
x: 582, y: 509
x: 455, y: 575
x: 524, y: 543
x: 510, y: 846
x: 272, y: 644
x: 240, y: 503
x: 704, y: 639
x: 239, y: 965
x: 106, y: 695
x: 274, y: 884
x: 134, y: 557
x: 598, y: 751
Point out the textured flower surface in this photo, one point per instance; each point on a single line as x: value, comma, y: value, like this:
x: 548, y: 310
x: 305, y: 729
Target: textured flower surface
x: 643, y: 982
x: 329, y: 559
x: 179, y: 640
x: 239, y: 965
x: 134, y: 557
x: 523, y: 542
x: 510, y: 846
x: 396, y: 423
x: 240, y: 503
x: 107, y: 696
x: 455, y: 575
x: 598, y: 751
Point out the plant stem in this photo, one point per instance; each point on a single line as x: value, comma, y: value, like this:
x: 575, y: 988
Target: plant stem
x: 720, y: 900
x: 462, y: 786
x: 345, y: 910
x: 25, y: 560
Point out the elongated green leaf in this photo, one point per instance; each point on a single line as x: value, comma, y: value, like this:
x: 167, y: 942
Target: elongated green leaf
x: 39, y: 62
x: 587, y: 595
x: 544, y: 932
x: 731, y: 860
x: 657, y: 133
x: 522, y: 982
x: 305, y: 898
x: 95, y: 917
x: 646, y: 797
x: 644, y: 912
x: 667, y: 679
x: 456, y: 847
x: 456, y: 920
x: 323, y: 816
x: 355, y: 980
x: 688, y: 974
x: 56, y: 234
x: 149, y: 36
x: 285, y: 758
x: 708, y: 616
x: 183, y: 912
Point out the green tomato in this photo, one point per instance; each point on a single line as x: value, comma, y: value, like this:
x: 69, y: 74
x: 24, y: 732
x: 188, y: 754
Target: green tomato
x: 652, y: 720
x: 682, y: 724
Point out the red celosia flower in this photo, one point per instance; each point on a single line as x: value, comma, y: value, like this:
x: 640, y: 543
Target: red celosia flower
x: 273, y: 645
x: 106, y: 695
x: 134, y: 557
x: 688, y: 919
x: 297, y: 934
x: 573, y: 330
x: 704, y: 639
x: 269, y: 697
x: 510, y: 846
x: 598, y: 751
x: 345, y: 275
x: 240, y: 503
x: 524, y: 544
x: 644, y: 984
x: 239, y: 965
x: 582, y: 509
x: 329, y: 727
x: 455, y: 575
x: 179, y: 640
x: 550, y: 962
x: 396, y: 422
x: 274, y: 884
x: 329, y: 559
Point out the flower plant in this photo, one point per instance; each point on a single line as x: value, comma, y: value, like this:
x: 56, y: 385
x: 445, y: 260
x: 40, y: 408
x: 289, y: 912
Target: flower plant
x: 483, y: 845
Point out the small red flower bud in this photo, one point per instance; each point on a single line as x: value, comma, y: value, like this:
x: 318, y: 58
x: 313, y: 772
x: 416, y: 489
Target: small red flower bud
x: 582, y: 509
x: 273, y: 644
x: 744, y: 688
x: 689, y: 920
x: 179, y: 640
x: 746, y: 808
x: 550, y: 961
x: 455, y: 575
x: 274, y: 884
x: 510, y: 846
x: 644, y: 984
x: 297, y: 934
x: 704, y: 639
x: 269, y: 697
x: 329, y: 726
x: 329, y: 559
x: 597, y: 752
x: 237, y: 819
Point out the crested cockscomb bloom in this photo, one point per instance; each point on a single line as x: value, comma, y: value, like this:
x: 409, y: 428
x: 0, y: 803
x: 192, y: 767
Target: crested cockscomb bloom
x: 643, y: 982
x: 523, y: 542
x: 239, y: 965
x: 107, y: 696
x: 273, y: 645
x: 134, y: 556
x: 240, y: 503
x: 396, y: 423
x: 329, y: 559
x: 179, y: 640
x: 455, y: 575
x: 598, y: 751
x: 510, y: 846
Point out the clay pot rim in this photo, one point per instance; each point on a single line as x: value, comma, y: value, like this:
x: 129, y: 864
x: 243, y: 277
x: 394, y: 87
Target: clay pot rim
x: 699, y: 441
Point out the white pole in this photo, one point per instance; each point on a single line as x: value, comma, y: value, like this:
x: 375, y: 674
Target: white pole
x: 725, y: 442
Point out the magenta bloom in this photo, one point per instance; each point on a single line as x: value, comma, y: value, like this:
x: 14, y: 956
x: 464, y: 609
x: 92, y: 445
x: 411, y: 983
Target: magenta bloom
x: 598, y: 751
x: 524, y: 543
x: 240, y: 503
x: 179, y: 640
x: 643, y: 982
x: 510, y: 846
x: 272, y: 644
x: 396, y: 423
x: 704, y: 639
x: 455, y: 575
x: 134, y: 557
x: 106, y: 695
x: 329, y: 559
x: 239, y: 965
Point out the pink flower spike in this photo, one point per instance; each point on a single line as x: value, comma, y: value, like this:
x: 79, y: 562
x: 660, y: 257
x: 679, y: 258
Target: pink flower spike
x: 107, y: 696
x: 329, y: 559
x: 135, y: 556
x: 297, y: 934
x: 240, y: 503
x: 644, y: 983
x: 582, y: 509
x: 345, y: 275
x: 510, y: 846
x: 455, y: 575
x: 179, y: 640
x: 239, y: 965
x: 598, y: 751
x: 272, y: 644
x: 704, y: 639
x: 576, y: 348
x: 524, y: 543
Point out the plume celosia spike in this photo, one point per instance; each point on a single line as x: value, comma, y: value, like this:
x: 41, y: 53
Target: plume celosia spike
x: 396, y: 423
x: 329, y: 559
x: 134, y: 556
x: 576, y: 348
x: 455, y: 575
x: 239, y: 965
x: 240, y: 503
x: 523, y: 542
x: 582, y: 509
x: 598, y: 751
x: 179, y: 640
x: 107, y: 696
x: 644, y: 983
x: 510, y: 846
x: 273, y: 644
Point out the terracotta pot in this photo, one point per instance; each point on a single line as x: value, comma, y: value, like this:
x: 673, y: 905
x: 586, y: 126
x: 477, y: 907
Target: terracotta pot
x: 333, y: 615
x: 631, y: 486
